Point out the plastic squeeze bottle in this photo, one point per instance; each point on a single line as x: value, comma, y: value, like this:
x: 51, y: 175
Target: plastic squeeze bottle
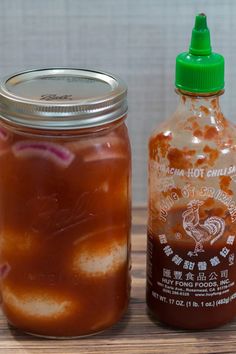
x: 191, y: 265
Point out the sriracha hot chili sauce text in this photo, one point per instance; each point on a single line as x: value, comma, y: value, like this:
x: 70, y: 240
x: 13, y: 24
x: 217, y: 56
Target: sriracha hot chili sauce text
x: 191, y: 263
x: 64, y: 201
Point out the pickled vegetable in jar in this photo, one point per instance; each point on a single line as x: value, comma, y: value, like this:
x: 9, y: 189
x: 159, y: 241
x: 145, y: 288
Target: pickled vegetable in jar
x: 191, y: 265
x: 64, y: 201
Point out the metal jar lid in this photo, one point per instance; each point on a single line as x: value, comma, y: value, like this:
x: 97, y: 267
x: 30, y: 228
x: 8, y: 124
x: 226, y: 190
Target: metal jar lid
x: 62, y: 99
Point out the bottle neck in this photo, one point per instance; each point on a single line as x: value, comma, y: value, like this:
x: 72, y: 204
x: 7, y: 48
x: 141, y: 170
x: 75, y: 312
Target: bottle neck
x: 200, y: 104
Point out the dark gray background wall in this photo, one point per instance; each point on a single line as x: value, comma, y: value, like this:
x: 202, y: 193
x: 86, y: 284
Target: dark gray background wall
x: 135, y: 39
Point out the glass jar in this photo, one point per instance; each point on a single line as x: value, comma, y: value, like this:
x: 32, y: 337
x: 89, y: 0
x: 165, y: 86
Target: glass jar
x: 64, y: 201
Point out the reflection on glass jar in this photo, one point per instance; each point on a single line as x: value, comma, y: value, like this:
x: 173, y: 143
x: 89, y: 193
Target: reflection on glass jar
x: 64, y: 202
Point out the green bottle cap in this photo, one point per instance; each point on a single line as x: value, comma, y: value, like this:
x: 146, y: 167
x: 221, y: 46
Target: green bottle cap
x: 200, y: 70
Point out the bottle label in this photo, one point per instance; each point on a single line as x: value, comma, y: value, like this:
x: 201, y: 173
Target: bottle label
x: 191, y: 247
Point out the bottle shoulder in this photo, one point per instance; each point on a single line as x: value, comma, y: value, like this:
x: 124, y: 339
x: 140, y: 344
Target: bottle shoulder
x: 184, y: 128
x: 186, y: 140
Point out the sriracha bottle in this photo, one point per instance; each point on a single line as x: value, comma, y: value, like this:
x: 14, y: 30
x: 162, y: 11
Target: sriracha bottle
x: 191, y: 264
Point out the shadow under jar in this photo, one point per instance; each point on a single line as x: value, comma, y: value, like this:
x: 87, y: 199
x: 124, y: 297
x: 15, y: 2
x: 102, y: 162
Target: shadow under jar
x: 64, y: 201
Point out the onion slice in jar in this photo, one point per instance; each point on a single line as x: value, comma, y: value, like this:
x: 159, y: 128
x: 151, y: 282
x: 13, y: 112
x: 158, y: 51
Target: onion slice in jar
x: 54, y: 152
x: 99, y: 148
x: 103, y: 155
x: 4, y: 270
x: 4, y: 135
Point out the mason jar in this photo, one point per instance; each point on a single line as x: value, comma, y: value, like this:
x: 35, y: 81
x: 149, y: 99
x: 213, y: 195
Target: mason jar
x: 65, y: 209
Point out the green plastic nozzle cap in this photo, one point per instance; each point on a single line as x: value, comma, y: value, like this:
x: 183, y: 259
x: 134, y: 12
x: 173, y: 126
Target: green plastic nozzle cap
x: 200, y: 70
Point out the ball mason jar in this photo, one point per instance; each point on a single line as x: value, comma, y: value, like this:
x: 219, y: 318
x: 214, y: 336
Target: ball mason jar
x: 65, y: 209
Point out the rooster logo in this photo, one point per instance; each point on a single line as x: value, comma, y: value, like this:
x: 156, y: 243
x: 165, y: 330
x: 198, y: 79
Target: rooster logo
x: 210, y: 229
